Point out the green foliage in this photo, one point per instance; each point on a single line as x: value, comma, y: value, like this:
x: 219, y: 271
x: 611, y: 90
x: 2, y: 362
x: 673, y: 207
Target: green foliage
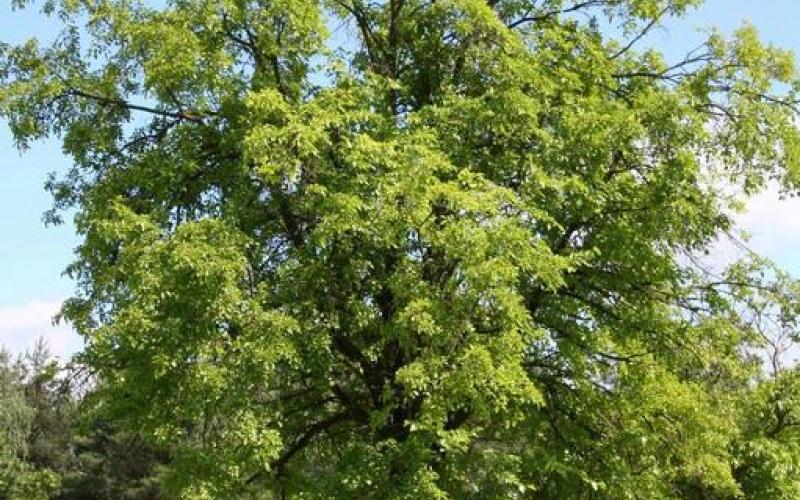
x: 18, y: 479
x: 452, y: 249
x: 108, y: 463
x: 768, y: 453
x: 53, y: 443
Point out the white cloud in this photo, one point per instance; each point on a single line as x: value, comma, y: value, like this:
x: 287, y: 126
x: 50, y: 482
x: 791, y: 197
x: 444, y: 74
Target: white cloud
x: 21, y: 327
x: 774, y: 226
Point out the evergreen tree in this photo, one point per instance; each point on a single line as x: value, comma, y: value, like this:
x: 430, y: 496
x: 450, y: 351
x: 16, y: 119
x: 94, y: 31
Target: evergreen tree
x: 18, y: 478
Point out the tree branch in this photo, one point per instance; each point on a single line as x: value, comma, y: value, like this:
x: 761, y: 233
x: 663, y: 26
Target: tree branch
x: 553, y: 13
x: 372, y: 45
x: 641, y: 34
x: 303, y: 441
x: 179, y: 115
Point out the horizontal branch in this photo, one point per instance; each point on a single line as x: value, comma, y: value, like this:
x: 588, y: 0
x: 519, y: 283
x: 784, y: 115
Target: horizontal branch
x: 112, y: 101
x: 548, y: 15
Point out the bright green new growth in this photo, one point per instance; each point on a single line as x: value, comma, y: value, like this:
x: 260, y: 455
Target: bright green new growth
x: 422, y: 248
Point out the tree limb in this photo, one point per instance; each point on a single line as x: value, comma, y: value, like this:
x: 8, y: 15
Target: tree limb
x: 304, y: 440
x: 553, y: 13
x: 179, y: 115
x: 641, y: 34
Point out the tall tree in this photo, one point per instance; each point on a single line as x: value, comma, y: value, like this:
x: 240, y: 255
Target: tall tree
x: 421, y: 248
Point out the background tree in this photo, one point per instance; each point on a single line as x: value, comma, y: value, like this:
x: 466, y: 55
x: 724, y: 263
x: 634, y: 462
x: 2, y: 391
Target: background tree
x: 109, y: 463
x: 450, y: 252
x: 19, y: 479
x: 54, y: 443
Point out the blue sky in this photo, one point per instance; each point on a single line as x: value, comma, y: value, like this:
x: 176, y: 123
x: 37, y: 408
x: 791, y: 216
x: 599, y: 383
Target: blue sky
x: 32, y: 256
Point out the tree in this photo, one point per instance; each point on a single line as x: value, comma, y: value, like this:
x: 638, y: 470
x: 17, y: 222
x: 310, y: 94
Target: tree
x: 18, y: 479
x: 420, y: 249
x: 108, y: 463
x: 53, y: 443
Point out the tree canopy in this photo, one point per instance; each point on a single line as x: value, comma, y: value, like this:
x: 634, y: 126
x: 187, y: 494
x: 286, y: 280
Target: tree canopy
x: 423, y: 248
